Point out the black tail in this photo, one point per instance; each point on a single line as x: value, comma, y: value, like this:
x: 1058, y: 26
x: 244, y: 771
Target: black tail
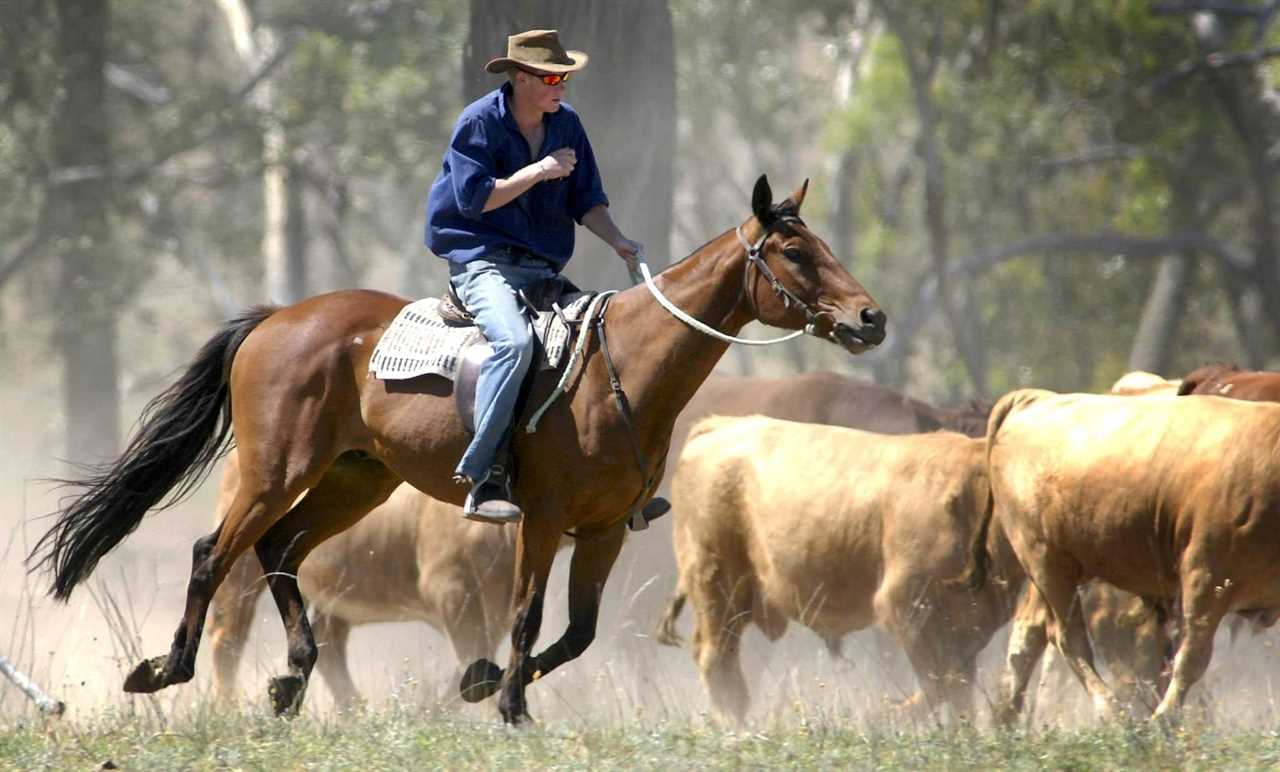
x: 182, y: 432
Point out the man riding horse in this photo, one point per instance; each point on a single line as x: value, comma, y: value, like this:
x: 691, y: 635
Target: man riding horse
x: 517, y: 173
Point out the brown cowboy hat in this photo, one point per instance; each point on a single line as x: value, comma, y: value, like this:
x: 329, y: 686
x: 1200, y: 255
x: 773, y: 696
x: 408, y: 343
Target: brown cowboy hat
x: 539, y: 50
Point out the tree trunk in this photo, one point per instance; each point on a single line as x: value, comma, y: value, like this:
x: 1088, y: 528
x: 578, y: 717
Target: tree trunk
x: 255, y: 47
x: 626, y: 98
x: 86, y: 302
x: 1153, y: 343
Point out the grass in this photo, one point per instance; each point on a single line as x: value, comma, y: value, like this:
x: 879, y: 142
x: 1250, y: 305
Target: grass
x: 401, y: 736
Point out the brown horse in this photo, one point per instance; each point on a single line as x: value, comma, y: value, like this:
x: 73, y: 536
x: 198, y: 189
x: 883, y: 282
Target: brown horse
x: 293, y: 384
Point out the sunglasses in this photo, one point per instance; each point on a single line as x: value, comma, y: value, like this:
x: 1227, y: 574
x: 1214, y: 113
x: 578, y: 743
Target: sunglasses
x: 551, y: 80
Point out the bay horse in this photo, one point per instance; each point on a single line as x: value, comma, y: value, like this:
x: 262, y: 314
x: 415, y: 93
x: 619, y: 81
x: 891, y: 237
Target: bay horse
x: 293, y: 385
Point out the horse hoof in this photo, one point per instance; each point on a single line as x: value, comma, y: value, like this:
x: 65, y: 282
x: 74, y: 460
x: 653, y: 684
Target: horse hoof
x: 480, y: 680
x: 147, y: 677
x: 286, y: 694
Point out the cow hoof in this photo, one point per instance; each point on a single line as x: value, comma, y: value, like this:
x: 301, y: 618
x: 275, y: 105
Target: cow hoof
x: 286, y: 694
x: 480, y: 680
x: 147, y: 677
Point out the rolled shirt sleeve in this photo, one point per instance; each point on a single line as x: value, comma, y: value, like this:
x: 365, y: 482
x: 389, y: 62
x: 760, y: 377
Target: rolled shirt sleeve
x: 471, y: 167
x: 586, y: 190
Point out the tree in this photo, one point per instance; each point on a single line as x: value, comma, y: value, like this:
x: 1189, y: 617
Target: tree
x: 81, y: 187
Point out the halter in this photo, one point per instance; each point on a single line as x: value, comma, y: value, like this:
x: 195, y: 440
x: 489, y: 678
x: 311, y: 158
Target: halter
x: 753, y: 258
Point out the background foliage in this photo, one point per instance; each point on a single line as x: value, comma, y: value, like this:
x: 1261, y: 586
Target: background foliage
x: 1045, y: 193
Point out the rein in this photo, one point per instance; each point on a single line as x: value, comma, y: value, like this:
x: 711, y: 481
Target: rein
x: 789, y: 298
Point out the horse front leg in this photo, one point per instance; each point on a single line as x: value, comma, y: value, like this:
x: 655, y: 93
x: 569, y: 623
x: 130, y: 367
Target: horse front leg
x: 593, y: 560
x: 535, y: 551
x: 592, y: 563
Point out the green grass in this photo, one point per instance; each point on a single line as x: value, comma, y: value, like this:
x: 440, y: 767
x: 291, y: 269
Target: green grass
x: 403, y: 737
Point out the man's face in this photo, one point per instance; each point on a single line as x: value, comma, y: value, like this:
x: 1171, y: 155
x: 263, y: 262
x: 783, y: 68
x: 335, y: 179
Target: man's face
x: 546, y: 98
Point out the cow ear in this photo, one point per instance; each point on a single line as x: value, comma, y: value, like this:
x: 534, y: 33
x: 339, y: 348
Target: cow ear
x: 762, y: 201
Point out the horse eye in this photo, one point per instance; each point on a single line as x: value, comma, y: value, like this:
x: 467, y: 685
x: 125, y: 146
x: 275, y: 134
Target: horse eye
x: 794, y: 254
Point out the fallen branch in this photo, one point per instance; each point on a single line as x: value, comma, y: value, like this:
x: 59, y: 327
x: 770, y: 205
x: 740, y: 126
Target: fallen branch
x: 44, y: 702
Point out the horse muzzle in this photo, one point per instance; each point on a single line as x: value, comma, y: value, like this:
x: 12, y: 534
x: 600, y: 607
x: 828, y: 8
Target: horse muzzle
x: 858, y: 336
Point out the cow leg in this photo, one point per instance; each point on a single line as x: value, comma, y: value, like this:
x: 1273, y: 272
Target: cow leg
x: 941, y: 660
x: 1027, y: 643
x: 472, y: 630
x: 721, y: 609
x: 351, y: 487
x: 230, y: 617
x: 1203, y: 606
x: 1058, y: 583
x: 331, y: 634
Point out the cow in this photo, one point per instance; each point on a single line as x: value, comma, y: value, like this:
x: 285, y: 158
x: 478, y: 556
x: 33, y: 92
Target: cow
x: 1168, y: 499
x: 836, y: 529
x: 1141, y: 383
x: 413, y: 558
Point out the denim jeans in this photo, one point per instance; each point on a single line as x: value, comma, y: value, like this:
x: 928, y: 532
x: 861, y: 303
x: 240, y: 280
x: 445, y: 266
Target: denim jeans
x: 487, y: 289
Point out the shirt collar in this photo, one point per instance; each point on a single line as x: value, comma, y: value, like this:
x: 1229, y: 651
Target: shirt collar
x: 508, y: 117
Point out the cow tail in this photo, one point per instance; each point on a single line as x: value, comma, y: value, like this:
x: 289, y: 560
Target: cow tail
x: 975, y: 573
x: 665, y: 631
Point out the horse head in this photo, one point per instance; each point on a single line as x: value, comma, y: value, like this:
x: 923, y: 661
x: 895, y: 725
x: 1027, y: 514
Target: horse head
x: 800, y: 283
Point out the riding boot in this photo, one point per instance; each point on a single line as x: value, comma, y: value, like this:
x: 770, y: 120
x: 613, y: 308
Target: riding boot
x: 491, y: 500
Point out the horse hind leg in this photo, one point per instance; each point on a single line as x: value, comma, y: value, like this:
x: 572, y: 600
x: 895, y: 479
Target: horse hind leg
x: 353, y: 486
x: 252, y: 512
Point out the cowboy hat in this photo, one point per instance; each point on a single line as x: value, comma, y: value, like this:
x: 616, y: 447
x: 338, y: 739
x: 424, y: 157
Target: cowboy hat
x: 539, y: 50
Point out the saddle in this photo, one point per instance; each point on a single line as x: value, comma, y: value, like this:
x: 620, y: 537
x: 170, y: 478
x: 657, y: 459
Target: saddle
x: 542, y: 298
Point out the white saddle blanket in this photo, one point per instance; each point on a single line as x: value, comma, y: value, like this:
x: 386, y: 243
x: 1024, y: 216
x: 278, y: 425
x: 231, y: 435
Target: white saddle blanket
x: 418, y: 342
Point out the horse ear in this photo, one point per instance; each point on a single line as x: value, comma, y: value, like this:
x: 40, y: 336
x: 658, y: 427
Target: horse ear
x: 798, y: 196
x: 762, y: 200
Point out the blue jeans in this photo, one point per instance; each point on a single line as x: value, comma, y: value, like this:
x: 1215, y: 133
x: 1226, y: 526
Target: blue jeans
x: 487, y: 289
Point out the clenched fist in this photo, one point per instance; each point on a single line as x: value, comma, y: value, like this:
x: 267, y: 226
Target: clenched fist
x: 559, y: 164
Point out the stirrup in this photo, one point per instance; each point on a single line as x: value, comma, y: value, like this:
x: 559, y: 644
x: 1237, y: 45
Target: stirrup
x: 653, y: 509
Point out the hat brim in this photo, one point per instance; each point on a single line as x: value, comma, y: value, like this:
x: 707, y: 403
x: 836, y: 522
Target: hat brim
x: 504, y: 63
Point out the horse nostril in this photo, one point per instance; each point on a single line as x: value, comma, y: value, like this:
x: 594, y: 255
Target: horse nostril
x: 871, y: 317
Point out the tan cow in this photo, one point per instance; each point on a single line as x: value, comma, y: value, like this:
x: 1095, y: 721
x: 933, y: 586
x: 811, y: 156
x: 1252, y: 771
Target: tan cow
x: 837, y: 529
x: 1164, y: 498
x: 1127, y: 632
x: 411, y: 559
x: 1139, y: 383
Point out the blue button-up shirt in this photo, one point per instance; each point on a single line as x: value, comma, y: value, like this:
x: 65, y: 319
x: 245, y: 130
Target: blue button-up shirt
x: 488, y: 146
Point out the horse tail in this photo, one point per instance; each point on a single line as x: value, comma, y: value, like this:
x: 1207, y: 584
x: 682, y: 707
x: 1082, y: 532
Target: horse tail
x: 665, y: 631
x: 975, y: 571
x: 182, y: 432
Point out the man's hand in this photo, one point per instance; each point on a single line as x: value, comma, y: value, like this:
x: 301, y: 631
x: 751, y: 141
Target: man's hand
x: 559, y: 164
x: 629, y: 251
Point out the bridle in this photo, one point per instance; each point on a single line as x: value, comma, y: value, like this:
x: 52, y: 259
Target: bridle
x: 754, y: 258
x: 788, y: 297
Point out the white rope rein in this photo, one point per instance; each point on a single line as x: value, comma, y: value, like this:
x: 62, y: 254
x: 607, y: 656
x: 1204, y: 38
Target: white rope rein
x: 646, y: 277
x: 695, y: 323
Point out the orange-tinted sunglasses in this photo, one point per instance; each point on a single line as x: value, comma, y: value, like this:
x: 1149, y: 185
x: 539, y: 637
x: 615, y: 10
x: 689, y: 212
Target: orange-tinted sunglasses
x: 550, y: 80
